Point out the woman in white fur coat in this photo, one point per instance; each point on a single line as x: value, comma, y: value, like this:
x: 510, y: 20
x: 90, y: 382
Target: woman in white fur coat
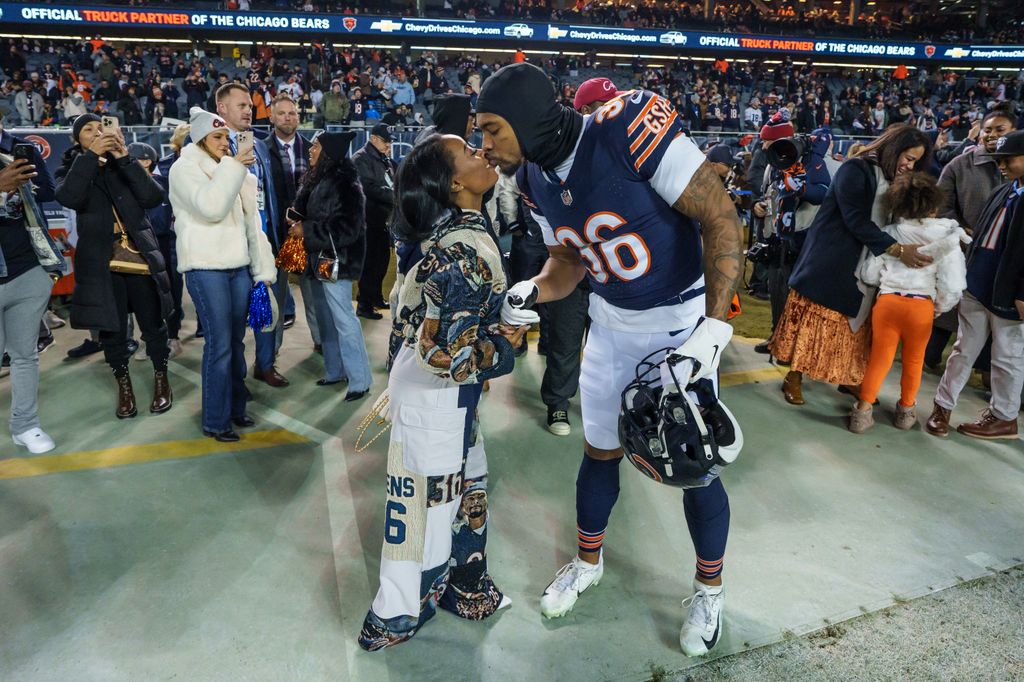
x: 909, y: 298
x: 222, y: 251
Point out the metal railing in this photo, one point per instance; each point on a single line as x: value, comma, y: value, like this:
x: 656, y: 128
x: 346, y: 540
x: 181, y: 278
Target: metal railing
x: 403, y: 137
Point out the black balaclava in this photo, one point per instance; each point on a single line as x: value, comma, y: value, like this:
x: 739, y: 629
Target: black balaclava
x: 451, y: 112
x: 523, y: 95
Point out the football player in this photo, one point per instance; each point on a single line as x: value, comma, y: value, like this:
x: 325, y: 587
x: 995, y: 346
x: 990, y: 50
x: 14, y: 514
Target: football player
x: 627, y: 200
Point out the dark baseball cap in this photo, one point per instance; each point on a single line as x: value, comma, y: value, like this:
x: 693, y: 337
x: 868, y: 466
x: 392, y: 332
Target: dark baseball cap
x: 383, y: 131
x: 721, y: 153
x: 1010, y: 145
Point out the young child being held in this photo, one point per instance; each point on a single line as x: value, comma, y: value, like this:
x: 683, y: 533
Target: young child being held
x: 909, y: 298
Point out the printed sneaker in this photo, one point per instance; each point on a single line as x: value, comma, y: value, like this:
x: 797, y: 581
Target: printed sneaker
x: 703, y: 624
x: 44, y: 343
x: 558, y: 421
x: 569, y: 583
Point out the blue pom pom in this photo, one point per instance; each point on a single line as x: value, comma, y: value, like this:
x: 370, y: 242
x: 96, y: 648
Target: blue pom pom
x: 261, y: 314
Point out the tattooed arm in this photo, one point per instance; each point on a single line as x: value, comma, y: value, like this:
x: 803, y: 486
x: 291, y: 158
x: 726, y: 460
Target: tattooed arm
x: 706, y: 200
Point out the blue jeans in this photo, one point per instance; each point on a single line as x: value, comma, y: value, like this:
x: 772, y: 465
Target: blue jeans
x: 221, y: 298
x: 268, y: 343
x: 341, y: 335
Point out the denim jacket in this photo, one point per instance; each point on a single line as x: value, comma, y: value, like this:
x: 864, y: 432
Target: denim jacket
x: 40, y: 189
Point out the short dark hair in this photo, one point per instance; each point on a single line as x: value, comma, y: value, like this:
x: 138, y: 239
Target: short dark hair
x: 913, y: 196
x: 885, y: 150
x: 423, y: 189
x: 224, y: 90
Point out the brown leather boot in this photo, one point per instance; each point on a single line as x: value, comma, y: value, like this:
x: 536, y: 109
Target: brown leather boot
x: 792, y: 388
x: 938, y: 422
x: 126, y: 408
x: 163, y: 399
x: 990, y: 427
x: 270, y: 377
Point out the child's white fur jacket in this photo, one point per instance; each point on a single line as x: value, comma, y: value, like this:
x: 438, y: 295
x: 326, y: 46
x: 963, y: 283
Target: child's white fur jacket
x: 943, y: 280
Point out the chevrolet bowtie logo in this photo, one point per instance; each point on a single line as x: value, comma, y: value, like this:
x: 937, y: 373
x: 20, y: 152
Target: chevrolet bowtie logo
x: 554, y: 33
x: 957, y: 52
x: 386, y: 26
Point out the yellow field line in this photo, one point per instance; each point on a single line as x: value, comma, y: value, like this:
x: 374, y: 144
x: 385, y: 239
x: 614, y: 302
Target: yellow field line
x: 746, y: 340
x: 751, y: 376
x: 25, y: 467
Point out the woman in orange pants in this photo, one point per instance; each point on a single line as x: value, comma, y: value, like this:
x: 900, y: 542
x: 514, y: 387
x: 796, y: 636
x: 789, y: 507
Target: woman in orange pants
x: 909, y: 298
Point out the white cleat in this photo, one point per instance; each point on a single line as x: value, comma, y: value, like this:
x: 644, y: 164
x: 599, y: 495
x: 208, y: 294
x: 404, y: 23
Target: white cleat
x: 569, y: 583
x: 703, y: 625
x: 35, y: 440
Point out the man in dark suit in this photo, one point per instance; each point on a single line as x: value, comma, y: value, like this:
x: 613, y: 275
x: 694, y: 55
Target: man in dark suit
x: 289, y: 160
x: 287, y: 155
x: 377, y: 175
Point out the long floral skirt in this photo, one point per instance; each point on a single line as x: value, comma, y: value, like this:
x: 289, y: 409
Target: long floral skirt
x: 818, y: 342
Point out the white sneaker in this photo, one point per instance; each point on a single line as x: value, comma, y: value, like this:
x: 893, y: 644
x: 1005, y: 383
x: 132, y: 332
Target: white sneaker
x: 53, y: 320
x: 703, y: 624
x: 35, y: 440
x: 140, y: 353
x: 569, y: 583
x: 175, y: 348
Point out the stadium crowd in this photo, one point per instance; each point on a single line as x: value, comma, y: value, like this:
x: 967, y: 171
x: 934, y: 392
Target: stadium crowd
x: 49, y: 84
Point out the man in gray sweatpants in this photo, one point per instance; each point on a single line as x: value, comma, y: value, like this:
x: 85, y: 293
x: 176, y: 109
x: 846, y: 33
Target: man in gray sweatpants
x: 27, y: 255
x: 993, y: 304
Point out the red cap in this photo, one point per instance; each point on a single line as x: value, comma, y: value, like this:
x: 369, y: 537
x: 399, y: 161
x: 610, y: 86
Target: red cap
x: 594, y: 90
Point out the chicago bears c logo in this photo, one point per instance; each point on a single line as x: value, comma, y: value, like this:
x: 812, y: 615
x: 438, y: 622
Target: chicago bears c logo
x: 644, y: 467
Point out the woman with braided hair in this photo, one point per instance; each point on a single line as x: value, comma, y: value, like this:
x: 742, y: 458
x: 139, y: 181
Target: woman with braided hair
x: 446, y: 341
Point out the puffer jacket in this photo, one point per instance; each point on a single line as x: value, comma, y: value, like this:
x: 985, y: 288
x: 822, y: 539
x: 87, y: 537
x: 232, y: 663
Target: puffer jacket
x: 943, y: 280
x: 216, y: 219
x: 92, y: 191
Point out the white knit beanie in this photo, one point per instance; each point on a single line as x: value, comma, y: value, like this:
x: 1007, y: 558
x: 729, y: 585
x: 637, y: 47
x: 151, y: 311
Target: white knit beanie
x: 202, y: 123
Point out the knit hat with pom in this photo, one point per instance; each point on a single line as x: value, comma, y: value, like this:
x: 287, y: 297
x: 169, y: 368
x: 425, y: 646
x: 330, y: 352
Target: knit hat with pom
x: 778, y: 126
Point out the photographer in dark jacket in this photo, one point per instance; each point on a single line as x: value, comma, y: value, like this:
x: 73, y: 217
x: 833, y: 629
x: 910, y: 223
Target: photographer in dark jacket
x: 98, y: 176
x: 333, y: 225
x: 795, y: 180
x: 377, y: 175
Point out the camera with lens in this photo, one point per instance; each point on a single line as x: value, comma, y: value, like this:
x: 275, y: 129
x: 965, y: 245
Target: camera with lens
x: 785, y: 153
x: 762, y: 252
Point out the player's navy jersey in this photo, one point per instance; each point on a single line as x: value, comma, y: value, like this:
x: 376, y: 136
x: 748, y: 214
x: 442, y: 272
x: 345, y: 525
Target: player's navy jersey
x: 639, y: 252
